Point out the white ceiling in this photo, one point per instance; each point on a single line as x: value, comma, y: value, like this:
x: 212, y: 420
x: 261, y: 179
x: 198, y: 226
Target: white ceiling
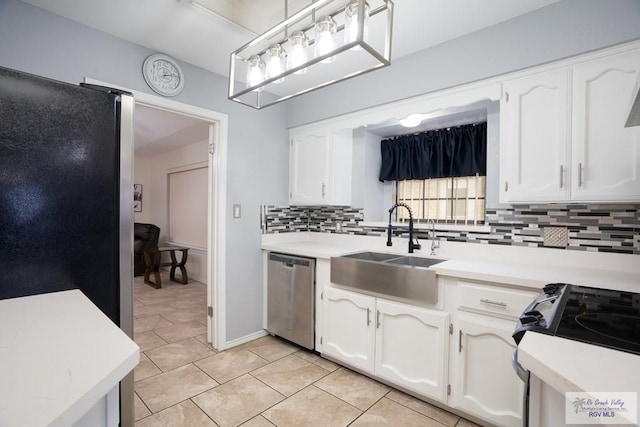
x: 157, y: 131
x: 204, y: 39
x: 188, y: 33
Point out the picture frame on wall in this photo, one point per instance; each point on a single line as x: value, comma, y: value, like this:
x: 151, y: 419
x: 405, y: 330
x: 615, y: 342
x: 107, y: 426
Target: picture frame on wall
x: 137, y: 197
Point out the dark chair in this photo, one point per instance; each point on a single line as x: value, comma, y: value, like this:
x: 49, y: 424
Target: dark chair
x: 145, y: 236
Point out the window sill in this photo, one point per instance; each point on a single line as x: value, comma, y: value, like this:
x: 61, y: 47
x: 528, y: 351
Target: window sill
x: 423, y: 226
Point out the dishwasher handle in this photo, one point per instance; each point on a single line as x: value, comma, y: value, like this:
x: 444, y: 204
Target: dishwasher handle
x: 289, y: 260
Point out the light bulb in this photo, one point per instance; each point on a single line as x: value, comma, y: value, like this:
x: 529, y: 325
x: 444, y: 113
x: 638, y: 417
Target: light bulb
x: 324, y: 43
x: 276, y: 62
x: 255, y: 71
x: 297, y: 50
x: 411, y: 121
x: 351, y: 23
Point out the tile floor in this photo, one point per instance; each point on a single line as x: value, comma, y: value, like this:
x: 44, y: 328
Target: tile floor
x: 182, y: 381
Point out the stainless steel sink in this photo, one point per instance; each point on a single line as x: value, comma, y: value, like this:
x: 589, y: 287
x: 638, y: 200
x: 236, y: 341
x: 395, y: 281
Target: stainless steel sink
x: 372, y: 256
x: 394, y: 275
x: 414, y: 261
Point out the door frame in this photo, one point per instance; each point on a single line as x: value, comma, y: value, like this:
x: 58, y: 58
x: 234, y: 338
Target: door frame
x: 217, y: 203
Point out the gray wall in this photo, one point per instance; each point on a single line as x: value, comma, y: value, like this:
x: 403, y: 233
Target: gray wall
x: 38, y: 42
x: 560, y: 30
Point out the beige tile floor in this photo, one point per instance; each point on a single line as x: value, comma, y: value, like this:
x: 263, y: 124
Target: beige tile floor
x: 182, y: 381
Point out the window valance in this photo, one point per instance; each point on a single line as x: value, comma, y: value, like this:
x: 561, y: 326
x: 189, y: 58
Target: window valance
x: 442, y: 153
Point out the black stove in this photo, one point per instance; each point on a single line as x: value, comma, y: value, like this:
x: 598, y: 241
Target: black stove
x: 602, y: 317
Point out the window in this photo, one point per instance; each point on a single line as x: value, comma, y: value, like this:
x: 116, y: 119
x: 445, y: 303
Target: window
x: 455, y: 200
x: 188, y: 198
x: 439, y: 173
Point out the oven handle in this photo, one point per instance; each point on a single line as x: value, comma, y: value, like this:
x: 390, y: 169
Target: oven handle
x: 523, y: 374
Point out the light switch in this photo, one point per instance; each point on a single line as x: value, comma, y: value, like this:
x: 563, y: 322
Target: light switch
x: 237, y: 211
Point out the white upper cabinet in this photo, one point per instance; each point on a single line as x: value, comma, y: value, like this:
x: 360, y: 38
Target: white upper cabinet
x: 562, y: 134
x: 606, y: 155
x: 320, y: 167
x: 535, y: 135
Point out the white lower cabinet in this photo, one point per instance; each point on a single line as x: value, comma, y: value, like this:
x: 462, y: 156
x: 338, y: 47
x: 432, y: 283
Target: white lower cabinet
x: 348, y: 334
x: 411, y: 347
x: 546, y: 405
x: 483, y: 382
x: 401, y: 343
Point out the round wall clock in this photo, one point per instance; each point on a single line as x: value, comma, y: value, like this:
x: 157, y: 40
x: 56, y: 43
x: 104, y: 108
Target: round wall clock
x: 163, y: 74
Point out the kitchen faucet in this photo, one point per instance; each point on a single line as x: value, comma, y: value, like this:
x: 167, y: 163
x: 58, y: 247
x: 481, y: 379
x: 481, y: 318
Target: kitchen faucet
x: 412, y: 245
x: 435, y: 244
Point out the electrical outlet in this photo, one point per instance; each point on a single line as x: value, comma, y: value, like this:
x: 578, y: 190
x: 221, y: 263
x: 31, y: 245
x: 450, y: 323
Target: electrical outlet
x: 237, y: 211
x: 339, y: 227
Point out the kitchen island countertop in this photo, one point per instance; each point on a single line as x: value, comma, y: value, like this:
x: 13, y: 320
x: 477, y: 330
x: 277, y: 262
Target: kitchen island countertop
x: 59, y: 355
x: 572, y: 366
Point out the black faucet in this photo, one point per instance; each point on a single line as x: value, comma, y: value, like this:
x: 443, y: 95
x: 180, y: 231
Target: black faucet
x: 412, y: 245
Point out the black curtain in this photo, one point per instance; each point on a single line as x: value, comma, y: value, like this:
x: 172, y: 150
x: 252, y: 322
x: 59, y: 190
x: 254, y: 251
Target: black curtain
x: 442, y: 153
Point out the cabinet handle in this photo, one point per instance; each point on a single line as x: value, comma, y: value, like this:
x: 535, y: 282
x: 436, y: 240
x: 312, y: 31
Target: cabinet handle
x: 460, y: 341
x: 368, y: 316
x: 377, y: 318
x: 506, y: 96
x: 561, y: 176
x: 324, y: 189
x: 498, y: 303
x: 506, y: 186
x: 580, y: 174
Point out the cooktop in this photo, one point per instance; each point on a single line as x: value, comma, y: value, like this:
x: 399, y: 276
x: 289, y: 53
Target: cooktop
x: 603, y: 317
x: 596, y: 316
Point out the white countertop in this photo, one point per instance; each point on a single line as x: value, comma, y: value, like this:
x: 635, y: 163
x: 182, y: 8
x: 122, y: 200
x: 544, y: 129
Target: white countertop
x: 59, y: 355
x: 538, y: 275
x: 573, y: 366
x: 513, y: 266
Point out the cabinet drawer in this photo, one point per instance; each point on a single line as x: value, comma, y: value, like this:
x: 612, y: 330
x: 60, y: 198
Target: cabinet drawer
x: 493, y: 300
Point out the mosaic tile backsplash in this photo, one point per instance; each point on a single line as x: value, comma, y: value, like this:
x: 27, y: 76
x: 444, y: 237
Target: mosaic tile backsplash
x: 603, y: 228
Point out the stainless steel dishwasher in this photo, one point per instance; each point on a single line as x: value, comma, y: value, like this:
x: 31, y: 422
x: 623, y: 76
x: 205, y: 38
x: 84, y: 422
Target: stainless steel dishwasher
x: 290, y: 298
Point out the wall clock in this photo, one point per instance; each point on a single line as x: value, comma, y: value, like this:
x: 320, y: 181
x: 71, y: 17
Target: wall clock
x: 163, y: 74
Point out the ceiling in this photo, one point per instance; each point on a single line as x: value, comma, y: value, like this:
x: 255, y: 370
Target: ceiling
x: 186, y: 32
x: 189, y: 31
x: 157, y: 131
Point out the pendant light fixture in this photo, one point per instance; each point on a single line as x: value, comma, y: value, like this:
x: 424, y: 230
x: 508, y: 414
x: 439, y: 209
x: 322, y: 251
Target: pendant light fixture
x: 276, y: 62
x: 351, y: 23
x: 298, y: 50
x: 324, y: 43
x: 255, y: 72
x: 350, y: 37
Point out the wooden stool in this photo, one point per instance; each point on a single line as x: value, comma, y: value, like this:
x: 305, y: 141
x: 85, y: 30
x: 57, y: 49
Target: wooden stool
x: 152, y: 258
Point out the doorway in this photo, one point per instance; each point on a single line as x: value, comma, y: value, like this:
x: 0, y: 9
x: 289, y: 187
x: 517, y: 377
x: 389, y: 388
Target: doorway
x: 216, y: 218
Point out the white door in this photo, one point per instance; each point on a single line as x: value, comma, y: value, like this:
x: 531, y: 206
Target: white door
x: 606, y: 155
x: 485, y: 382
x: 412, y: 347
x: 308, y: 167
x: 534, y: 140
x: 349, y: 330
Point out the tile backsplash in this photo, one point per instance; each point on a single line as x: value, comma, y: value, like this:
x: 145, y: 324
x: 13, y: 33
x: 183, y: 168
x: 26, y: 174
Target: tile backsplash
x: 593, y: 227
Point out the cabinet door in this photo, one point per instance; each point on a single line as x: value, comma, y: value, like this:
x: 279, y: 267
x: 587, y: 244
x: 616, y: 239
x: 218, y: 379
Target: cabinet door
x: 308, y: 168
x: 606, y: 155
x: 534, y: 118
x: 485, y: 382
x: 349, y: 332
x: 412, y: 347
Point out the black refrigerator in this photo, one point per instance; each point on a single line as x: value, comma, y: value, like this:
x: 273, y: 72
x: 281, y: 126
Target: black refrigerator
x: 66, y: 195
